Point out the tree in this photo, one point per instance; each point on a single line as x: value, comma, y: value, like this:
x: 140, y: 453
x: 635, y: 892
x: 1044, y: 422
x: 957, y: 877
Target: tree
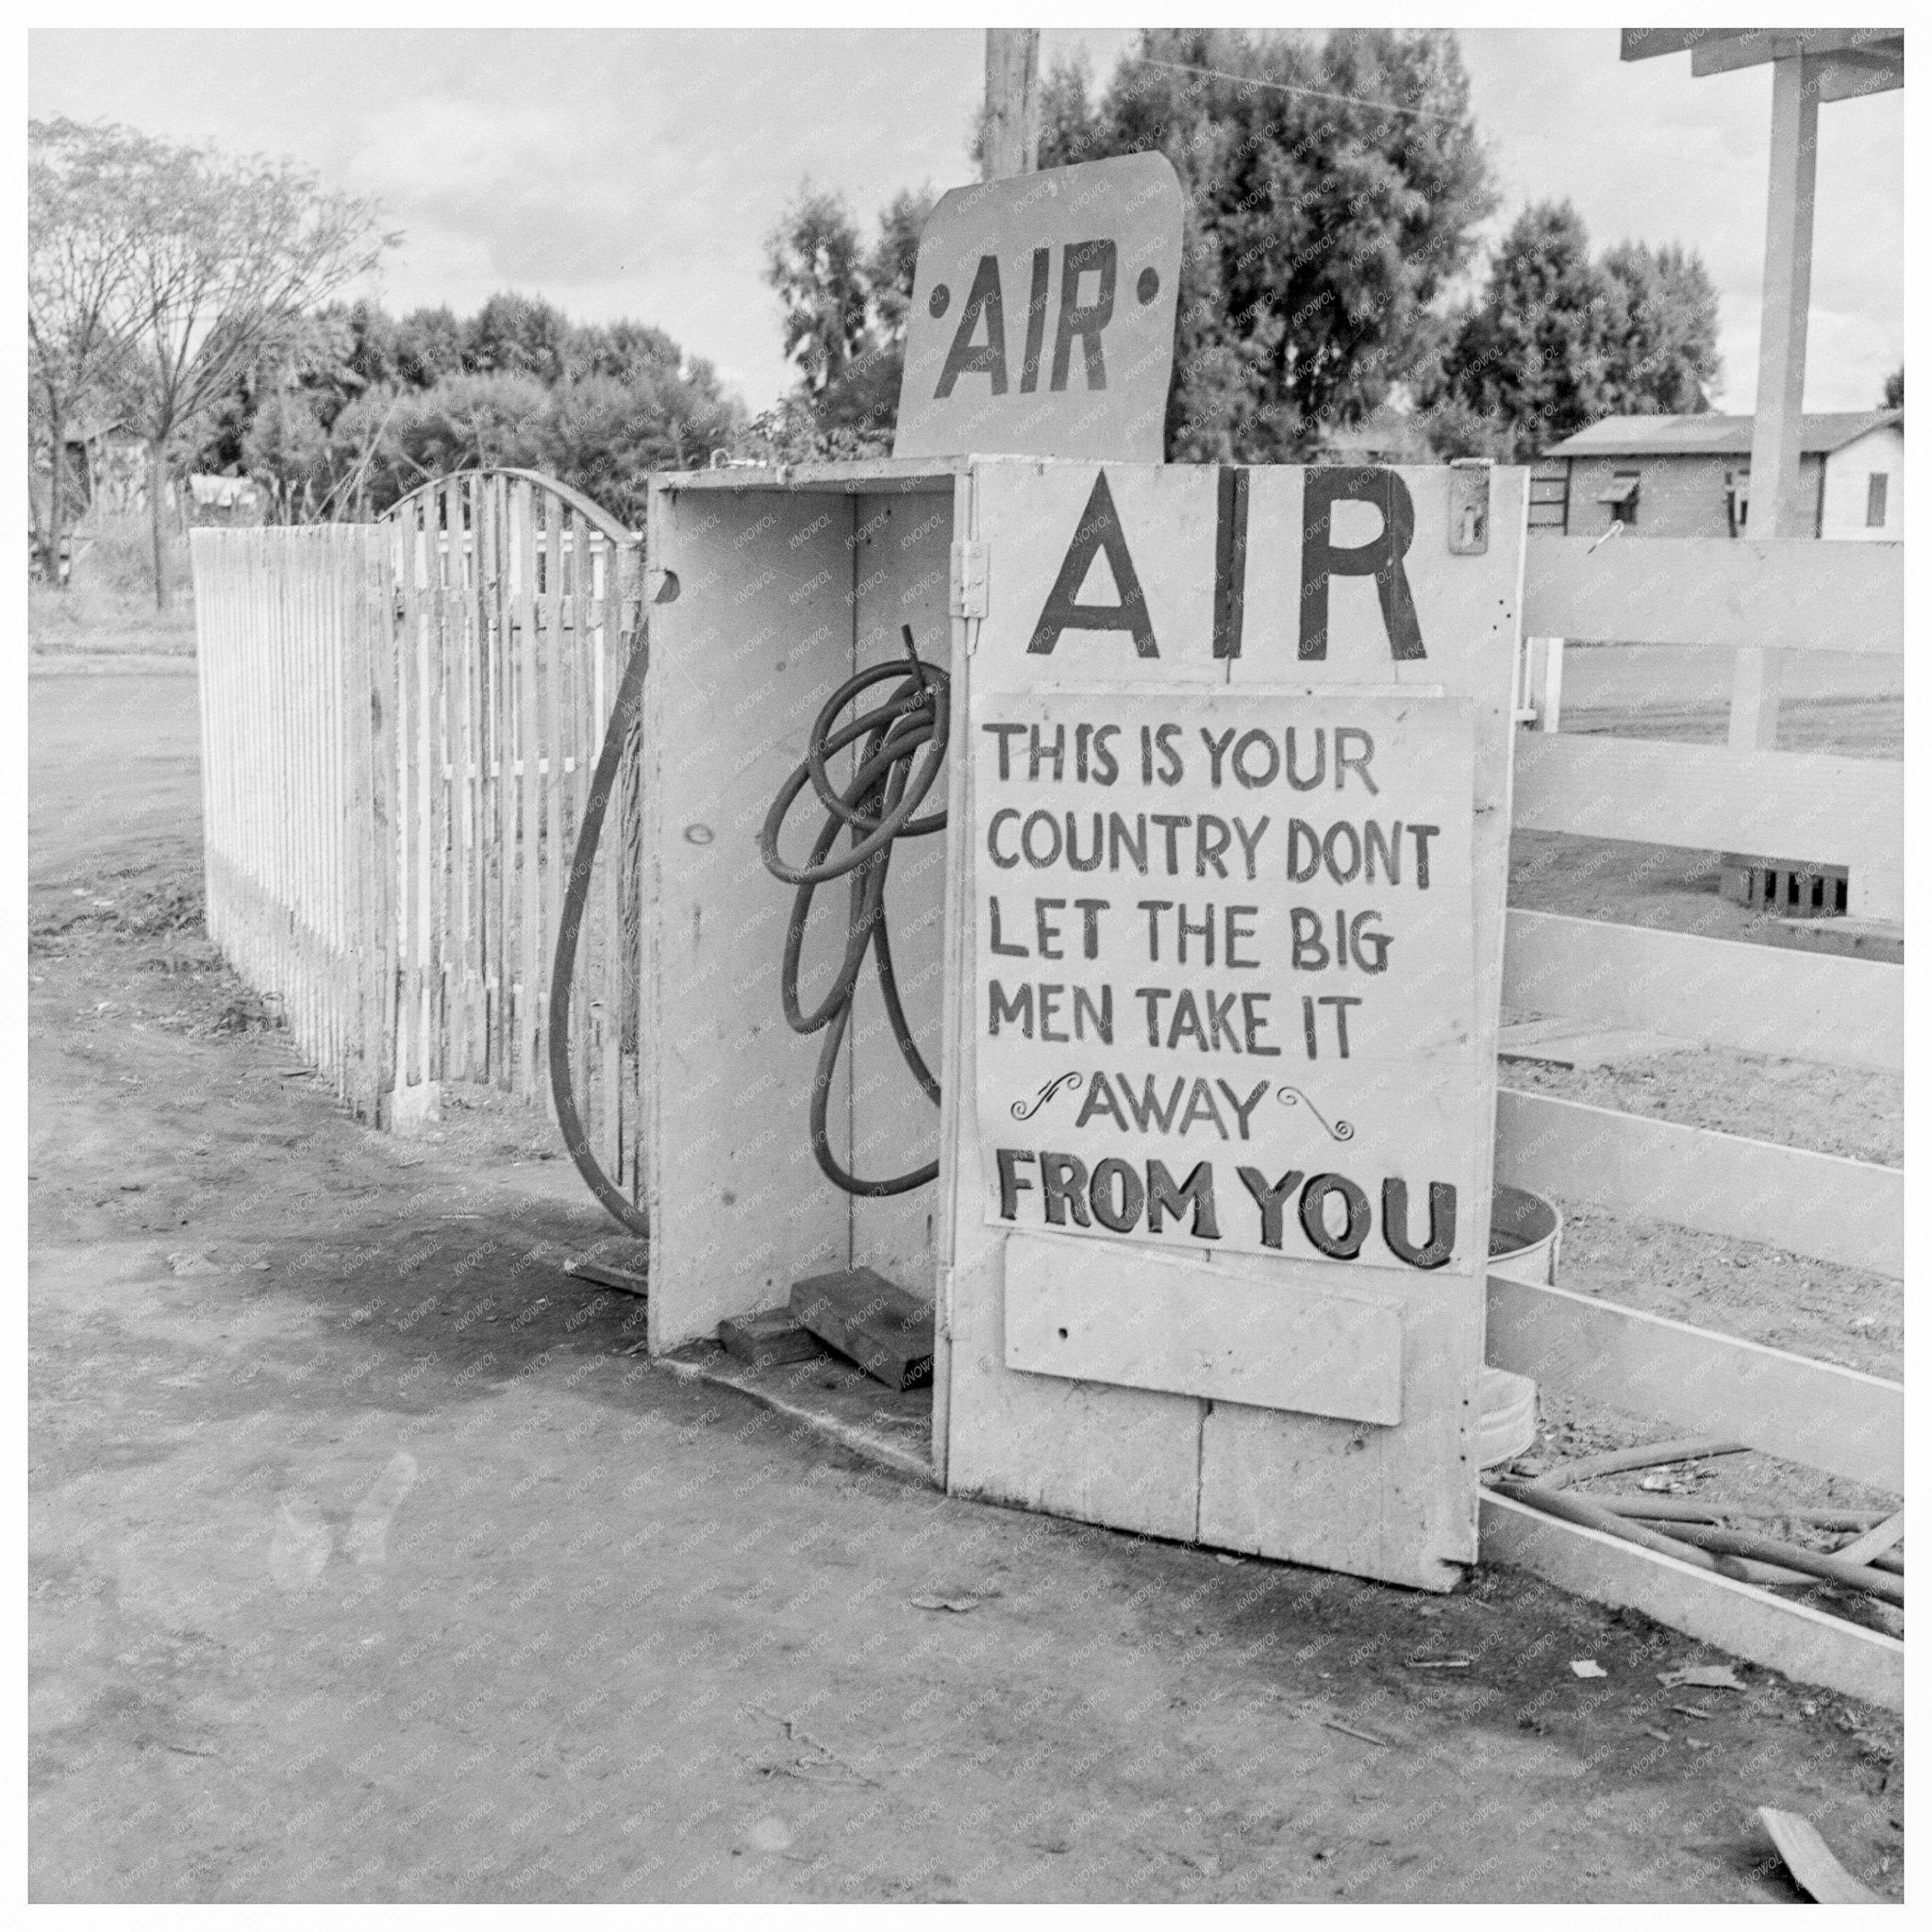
x: 1663, y: 359
x: 845, y: 314
x: 1535, y: 354
x: 813, y: 259
x: 517, y: 335
x: 606, y: 435
x: 1332, y: 190
x: 1557, y: 340
x: 80, y: 260
x: 227, y: 259
x: 626, y: 351
x: 1896, y: 389
x: 429, y: 345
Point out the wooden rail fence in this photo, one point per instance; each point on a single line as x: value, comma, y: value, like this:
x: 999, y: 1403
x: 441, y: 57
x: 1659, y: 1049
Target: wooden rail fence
x: 1747, y: 796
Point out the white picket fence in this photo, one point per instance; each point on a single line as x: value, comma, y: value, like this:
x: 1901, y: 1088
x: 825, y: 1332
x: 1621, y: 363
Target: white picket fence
x: 399, y: 724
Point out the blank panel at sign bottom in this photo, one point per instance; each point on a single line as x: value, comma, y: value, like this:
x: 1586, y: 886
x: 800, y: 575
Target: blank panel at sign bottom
x: 1096, y: 1312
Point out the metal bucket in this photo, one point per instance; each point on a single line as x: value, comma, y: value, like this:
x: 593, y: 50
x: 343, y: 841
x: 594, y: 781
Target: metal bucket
x: 1526, y: 1232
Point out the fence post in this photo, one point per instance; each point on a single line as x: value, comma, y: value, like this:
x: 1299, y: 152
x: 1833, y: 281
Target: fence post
x: 1550, y: 705
x: 1757, y: 684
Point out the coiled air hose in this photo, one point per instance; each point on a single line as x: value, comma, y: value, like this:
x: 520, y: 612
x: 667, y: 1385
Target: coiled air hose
x: 902, y: 746
x: 877, y: 807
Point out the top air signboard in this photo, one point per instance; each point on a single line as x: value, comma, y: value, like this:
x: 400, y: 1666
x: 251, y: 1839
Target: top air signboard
x: 1043, y: 315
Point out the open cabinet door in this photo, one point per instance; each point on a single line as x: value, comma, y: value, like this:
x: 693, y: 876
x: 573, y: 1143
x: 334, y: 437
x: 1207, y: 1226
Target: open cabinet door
x: 1229, y: 843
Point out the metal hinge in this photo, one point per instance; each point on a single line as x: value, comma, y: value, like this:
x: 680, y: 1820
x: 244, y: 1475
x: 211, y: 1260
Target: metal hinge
x: 969, y: 580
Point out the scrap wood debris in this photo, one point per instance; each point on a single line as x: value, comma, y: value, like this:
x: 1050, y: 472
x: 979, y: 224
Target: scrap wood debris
x: 810, y: 1769
x: 1701, y: 1677
x: 1335, y: 1723
x: 1809, y: 1860
x: 1679, y: 1449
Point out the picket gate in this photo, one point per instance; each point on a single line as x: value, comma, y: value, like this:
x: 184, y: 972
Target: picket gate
x: 400, y: 722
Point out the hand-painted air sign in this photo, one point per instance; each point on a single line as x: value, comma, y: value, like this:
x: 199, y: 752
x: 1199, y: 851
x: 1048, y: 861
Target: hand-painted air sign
x: 1043, y: 315
x: 1224, y: 773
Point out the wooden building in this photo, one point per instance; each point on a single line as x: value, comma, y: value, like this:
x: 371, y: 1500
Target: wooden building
x: 1690, y: 477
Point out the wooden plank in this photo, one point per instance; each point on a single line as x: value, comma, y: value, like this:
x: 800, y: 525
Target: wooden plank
x: 1144, y: 1320
x: 475, y: 758
x: 1849, y: 1212
x: 767, y: 1339
x: 1729, y: 51
x: 898, y: 568
x: 529, y: 1000
x: 1129, y: 1457
x: 1752, y: 999
x: 424, y: 781
x: 1789, y: 595
x: 882, y: 1327
x: 739, y: 1208
x: 1810, y: 1859
x: 355, y: 833
x: 1801, y: 1644
x: 1784, y: 316
x: 1828, y: 811
x: 500, y: 817
x: 553, y: 856
x: 1757, y: 682
x: 1399, y: 1504
x: 1804, y: 1411
x: 386, y: 811
x: 439, y: 785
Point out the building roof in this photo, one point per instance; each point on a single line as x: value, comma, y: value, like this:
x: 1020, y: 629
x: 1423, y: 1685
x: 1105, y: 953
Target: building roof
x: 1711, y: 435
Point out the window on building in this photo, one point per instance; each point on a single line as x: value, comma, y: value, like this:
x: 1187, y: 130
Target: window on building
x: 1875, y: 486
x: 1621, y: 495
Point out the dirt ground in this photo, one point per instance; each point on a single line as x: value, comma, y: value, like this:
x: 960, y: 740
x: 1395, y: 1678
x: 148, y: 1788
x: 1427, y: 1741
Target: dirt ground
x: 371, y: 1559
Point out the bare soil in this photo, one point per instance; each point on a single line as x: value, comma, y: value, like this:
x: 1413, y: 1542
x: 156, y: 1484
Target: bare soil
x: 1851, y: 1111
x: 371, y: 1558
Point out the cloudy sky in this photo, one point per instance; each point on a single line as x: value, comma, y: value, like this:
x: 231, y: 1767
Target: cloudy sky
x: 637, y: 172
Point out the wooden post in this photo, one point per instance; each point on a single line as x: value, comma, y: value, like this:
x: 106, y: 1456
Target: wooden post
x: 1549, y: 701
x: 1778, y: 434
x: 1012, y: 102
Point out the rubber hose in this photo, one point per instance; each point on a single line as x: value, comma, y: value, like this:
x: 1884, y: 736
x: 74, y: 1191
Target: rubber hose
x: 576, y: 892
x: 902, y: 748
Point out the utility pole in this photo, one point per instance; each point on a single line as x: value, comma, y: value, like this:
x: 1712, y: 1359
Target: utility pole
x: 1012, y: 102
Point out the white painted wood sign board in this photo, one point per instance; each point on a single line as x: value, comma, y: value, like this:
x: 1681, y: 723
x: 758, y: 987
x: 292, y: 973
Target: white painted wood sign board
x: 1217, y: 1217
x: 1043, y: 314
x: 782, y: 590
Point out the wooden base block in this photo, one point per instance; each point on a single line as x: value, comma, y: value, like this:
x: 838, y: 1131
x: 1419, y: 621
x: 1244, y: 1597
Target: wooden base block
x: 606, y: 1277
x: 881, y: 1326
x: 765, y: 1338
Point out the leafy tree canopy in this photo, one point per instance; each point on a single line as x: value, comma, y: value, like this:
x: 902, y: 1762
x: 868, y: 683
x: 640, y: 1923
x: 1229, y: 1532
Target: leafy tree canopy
x: 844, y: 307
x: 1557, y: 340
x: 356, y: 409
x: 1333, y: 189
